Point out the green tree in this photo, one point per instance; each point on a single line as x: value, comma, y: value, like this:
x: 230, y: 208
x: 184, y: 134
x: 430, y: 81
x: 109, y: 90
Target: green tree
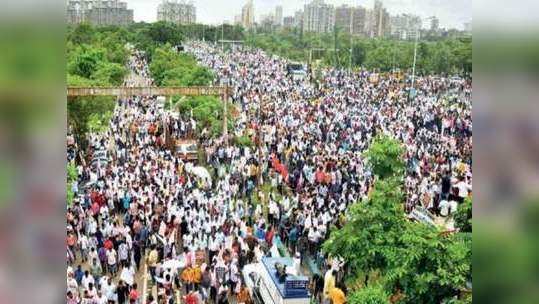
x: 358, y: 54
x: 85, y: 60
x: 82, y: 113
x: 385, y: 157
x: 81, y: 34
x: 72, y: 176
x: 463, y: 216
x: 372, y: 229
x: 369, y: 295
x: 164, y: 32
x: 428, y: 266
x: 109, y: 73
x: 208, y: 113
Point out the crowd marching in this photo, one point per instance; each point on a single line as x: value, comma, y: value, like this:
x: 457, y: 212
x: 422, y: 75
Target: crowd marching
x: 144, y: 207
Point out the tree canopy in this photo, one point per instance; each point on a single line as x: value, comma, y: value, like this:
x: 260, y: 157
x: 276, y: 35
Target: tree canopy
x: 170, y: 68
x: 385, y: 157
x: 381, y: 247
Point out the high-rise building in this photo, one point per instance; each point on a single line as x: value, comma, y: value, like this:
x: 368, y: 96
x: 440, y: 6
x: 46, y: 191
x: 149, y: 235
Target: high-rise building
x: 298, y: 18
x: 434, y: 24
x: 318, y: 17
x: 405, y: 26
x: 379, y: 23
x: 237, y: 19
x: 351, y: 19
x: 266, y: 22
x: 288, y: 22
x: 248, y: 15
x: 99, y: 12
x: 278, y: 15
x: 176, y: 12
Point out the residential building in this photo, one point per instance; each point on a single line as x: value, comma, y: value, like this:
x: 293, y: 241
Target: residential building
x: 351, y: 19
x: 278, y: 18
x: 318, y: 17
x: 434, y: 24
x: 176, y: 12
x: 237, y: 19
x: 99, y: 12
x: 298, y: 18
x: 288, y: 22
x: 266, y: 22
x: 248, y: 15
x: 405, y: 26
x: 379, y: 21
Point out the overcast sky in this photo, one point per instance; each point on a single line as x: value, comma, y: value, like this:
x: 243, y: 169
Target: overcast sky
x: 452, y: 13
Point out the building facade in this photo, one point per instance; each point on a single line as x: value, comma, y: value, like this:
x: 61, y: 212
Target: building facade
x: 278, y: 15
x: 351, y: 19
x: 176, y: 12
x: 405, y: 26
x: 379, y: 21
x: 248, y: 15
x: 434, y: 24
x: 288, y: 22
x: 99, y: 12
x: 298, y: 18
x: 318, y: 17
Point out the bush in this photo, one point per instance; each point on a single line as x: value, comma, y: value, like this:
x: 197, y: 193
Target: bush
x: 463, y: 216
x: 369, y: 295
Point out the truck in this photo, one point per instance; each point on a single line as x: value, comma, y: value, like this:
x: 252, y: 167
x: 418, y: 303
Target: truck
x: 268, y: 284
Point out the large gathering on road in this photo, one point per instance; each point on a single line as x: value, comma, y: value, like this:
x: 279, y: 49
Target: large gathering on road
x: 148, y: 225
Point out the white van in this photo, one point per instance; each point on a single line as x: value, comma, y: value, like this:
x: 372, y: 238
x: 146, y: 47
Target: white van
x: 265, y: 288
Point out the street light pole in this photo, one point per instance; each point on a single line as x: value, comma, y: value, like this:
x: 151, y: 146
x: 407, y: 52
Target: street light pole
x: 415, y: 58
x: 351, y: 25
x: 222, y: 37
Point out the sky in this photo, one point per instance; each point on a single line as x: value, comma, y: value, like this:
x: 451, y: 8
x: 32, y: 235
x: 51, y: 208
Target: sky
x: 451, y: 13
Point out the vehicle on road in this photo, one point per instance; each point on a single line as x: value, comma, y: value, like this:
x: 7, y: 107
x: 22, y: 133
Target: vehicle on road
x: 296, y: 70
x: 268, y: 286
x: 186, y: 149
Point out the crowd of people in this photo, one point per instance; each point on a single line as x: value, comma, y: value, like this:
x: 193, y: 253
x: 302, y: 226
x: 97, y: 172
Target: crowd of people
x: 144, y: 208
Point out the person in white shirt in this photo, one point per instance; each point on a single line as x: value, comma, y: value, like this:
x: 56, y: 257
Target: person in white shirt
x: 87, y: 279
x: 100, y: 298
x: 112, y: 260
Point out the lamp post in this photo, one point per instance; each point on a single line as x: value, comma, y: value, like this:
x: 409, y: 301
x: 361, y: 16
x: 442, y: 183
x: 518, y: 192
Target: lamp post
x: 351, y: 27
x: 415, y: 60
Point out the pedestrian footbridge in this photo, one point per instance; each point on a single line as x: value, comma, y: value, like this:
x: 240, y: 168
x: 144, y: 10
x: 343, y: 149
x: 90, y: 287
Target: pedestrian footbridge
x: 148, y: 91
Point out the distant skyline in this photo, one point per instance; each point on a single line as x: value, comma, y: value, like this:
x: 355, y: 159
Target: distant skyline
x: 451, y: 13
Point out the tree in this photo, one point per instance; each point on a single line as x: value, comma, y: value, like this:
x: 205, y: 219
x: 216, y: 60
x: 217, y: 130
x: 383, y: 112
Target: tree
x: 164, y: 32
x: 81, y: 34
x: 463, y: 216
x: 410, y: 259
x: 428, y: 266
x: 358, y: 54
x: 371, y: 230
x: 85, y: 61
x: 207, y: 112
x: 72, y: 176
x: 82, y: 113
x: 170, y: 68
x: 385, y: 157
x: 369, y: 295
